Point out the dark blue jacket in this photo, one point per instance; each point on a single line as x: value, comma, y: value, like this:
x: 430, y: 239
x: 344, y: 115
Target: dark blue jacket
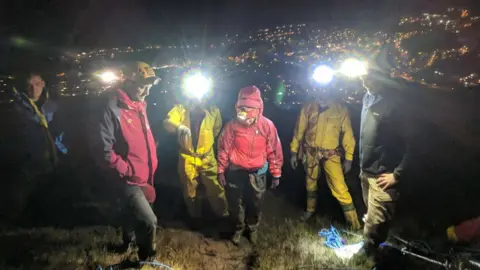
x: 383, y: 144
x: 34, y: 144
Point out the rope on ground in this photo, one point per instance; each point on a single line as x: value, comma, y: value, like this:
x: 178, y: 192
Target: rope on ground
x: 141, y: 263
x: 332, y: 238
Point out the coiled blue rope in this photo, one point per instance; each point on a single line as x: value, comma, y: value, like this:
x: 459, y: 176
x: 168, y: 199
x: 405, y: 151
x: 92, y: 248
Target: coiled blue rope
x: 332, y: 238
x: 156, y: 264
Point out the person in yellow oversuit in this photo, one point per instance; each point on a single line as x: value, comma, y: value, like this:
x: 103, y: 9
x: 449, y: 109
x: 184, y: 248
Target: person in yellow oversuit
x: 322, y: 131
x: 197, y: 126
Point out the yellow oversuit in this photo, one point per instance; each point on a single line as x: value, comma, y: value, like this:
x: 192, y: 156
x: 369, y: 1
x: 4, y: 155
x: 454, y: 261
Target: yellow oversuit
x: 197, y: 161
x: 319, y: 131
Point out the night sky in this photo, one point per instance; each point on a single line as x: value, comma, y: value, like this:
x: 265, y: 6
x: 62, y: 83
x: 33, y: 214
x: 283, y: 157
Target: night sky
x: 93, y: 23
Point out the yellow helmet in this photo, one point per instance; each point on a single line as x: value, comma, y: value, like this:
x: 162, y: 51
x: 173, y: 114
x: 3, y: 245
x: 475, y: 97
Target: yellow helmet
x: 140, y: 72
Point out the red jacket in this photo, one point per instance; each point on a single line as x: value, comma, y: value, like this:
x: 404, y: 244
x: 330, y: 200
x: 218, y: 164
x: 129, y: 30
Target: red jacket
x: 467, y: 231
x: 249, y: 147
x: 124, y: 143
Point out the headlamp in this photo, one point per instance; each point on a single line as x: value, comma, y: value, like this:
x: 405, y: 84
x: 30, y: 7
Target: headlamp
x: 108, y: 77
x: 323, y: 74
x: 196, y: 86
x: 353, y: 67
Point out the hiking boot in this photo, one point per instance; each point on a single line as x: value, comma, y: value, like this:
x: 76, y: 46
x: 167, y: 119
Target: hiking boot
x: 306, y: 216
x: 147, y: 255
x: 253, y: 237
x: 237, y: 236
x: 195, y: 224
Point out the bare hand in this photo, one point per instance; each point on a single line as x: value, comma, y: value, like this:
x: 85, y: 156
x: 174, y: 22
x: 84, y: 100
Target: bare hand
x: 386, y: 181
x: 222, y: 180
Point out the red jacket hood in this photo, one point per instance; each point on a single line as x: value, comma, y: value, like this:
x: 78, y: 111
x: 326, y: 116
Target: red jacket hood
x: 250, y: 96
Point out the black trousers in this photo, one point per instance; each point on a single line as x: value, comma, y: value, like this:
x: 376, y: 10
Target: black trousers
x: 139, y: 222
x: 244, y: 193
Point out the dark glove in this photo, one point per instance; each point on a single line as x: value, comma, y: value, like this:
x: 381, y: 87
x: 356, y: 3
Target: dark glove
x: 222, y: 180
x: 347, y: 166
x: 294, y: 161
x: 275, y: 182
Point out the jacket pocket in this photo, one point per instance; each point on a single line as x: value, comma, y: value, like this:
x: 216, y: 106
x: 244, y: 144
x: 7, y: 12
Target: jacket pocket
x: 333, y: 124
x: 131, y: 169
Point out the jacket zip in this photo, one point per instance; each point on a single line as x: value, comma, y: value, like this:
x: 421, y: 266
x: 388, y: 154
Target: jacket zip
x: 149, y: 153
x: 252, y: 142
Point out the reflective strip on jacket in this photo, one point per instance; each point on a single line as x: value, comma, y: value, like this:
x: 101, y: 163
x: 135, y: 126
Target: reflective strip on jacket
x: 323, y: 129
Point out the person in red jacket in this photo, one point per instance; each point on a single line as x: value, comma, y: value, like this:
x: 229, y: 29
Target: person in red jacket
x: 466, y: 232
x: 123, y: 146
x: 244, y: 147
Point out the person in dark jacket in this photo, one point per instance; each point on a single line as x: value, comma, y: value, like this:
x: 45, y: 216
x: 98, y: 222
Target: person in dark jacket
x: 35, y: 112
x: 31, y: 153
x: 123, y: 145
x: 383, y: 149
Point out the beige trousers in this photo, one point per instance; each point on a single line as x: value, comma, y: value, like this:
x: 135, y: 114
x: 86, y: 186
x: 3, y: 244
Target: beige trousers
x: 380, y: 208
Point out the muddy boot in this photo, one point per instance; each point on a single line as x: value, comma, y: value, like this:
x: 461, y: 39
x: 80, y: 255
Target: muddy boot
x: 306, y: 216
x: 127, y: 245
x: 237, y: 236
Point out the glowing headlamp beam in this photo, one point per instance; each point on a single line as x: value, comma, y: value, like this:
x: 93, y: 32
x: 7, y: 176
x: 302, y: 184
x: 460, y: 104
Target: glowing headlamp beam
x: 323, y: 74
x: 353, y: 68
x: 197, y: 86
x: 108, y: 77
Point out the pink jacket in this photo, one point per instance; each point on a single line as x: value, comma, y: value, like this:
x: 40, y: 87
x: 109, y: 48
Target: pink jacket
x: 249, y: 147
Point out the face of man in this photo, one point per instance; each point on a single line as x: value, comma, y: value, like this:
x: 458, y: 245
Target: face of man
x: 144, y: 91
x: 322, y: 96
x: 35, y: 87
x: 139, y: 91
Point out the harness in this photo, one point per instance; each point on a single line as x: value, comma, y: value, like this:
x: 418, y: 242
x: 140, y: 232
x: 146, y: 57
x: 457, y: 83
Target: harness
x: 320, y: 154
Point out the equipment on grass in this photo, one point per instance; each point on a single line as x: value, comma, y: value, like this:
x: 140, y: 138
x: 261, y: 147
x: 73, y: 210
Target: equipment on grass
x: 422, y: 251
x: 334, y: 241
x: 138, y: 265
x: 417, y: 249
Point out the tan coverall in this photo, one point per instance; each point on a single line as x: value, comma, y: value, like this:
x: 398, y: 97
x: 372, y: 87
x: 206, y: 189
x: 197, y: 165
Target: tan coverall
x: 319, y: 131
x: 198, y: 163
